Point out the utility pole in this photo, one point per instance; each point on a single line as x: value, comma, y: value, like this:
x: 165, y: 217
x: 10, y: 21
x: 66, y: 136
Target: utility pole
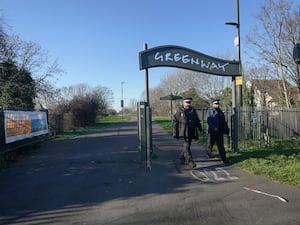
x: 237, y: 98
x: 122, y: 101
x: 237, y: 44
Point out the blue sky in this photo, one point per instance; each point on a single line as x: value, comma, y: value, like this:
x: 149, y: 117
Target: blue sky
x: 97, y: 42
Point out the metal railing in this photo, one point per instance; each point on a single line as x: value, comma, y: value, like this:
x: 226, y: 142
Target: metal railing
x: 261, y: 125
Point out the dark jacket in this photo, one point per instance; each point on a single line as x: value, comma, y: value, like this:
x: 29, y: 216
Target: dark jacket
x: 216, y: 121
x: 185, y: 123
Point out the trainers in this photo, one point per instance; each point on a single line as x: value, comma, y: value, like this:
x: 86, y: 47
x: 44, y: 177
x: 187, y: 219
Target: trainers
x: 183, y: 161
x: 226, y: 161
x: 209, y: 154
x: 192, y: 164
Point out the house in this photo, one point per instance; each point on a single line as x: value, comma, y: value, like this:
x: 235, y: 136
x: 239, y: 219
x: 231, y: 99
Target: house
x: 270, y: 93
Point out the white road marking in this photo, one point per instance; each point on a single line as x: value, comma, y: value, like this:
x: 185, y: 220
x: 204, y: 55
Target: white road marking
x: 199, y: 175
x: 267, y: 194
x: 212, y: 175
x: 227, y: 174
x: 216, y: 176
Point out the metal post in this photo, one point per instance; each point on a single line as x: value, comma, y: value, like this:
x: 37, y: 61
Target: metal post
x: 122, y: 101
x: 240, y: 97
x: 146, y: 81
x: 171, y: 108
x: 149, y: 135
x: 234, y: 116
x: 148, y: 117
x: 239, y: 91
x: 235, y: 93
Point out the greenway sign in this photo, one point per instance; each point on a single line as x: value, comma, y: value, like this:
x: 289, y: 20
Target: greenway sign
x: 176, y: 56
x: 180, y: 57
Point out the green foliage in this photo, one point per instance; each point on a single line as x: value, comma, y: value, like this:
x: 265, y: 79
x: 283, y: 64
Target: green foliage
x: 226, y: 97
x: 17, y: 89
x: 280, y: 162
x: 106, y: 121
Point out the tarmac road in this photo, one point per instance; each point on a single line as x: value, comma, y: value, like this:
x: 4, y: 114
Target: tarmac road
x: 99, y: 179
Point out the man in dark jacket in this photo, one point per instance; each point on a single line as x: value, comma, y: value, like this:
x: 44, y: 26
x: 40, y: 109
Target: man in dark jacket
x: 217, y: 126
x: 185, y: 124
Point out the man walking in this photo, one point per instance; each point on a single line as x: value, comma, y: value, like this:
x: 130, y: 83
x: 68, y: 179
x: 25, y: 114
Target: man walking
x: 217, y: 126
x: 185, y: 124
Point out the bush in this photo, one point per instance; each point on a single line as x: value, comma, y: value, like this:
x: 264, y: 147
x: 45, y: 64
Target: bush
x: 84, y: 111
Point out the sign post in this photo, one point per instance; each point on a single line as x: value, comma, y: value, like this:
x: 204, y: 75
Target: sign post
x: 181, y: 57
x: 171, y: 97
x: 148, y: 118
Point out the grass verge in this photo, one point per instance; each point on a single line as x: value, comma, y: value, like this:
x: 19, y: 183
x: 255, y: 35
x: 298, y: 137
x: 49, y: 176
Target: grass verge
x: 101, y: 123
x: 280, y: 162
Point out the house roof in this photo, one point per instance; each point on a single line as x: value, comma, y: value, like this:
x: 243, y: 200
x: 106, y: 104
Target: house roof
x: 274, y: 88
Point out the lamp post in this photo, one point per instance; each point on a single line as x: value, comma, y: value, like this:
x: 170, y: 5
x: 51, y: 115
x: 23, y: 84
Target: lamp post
x: 236, y: 101
x: 237, y: 43
x: 122, y: 101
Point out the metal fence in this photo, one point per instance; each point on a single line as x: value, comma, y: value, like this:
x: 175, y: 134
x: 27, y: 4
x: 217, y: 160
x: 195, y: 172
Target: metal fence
x: 261, y: 125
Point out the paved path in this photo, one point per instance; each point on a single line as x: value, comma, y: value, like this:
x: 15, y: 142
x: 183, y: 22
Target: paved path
x: 99, y: 179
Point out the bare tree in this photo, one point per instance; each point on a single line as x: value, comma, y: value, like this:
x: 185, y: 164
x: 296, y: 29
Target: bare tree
x: 64, y: 95
x: 132, y: 105
x: 180, y: 81
x: 159, y: 107
x: 207, y: 85
x: 33, y: 58
x: 273, y: 43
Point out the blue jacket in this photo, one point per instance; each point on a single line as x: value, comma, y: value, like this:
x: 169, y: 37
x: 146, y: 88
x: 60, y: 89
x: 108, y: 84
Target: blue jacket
x: 216, y: 120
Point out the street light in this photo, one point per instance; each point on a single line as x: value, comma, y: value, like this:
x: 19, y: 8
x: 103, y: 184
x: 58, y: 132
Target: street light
x: 234, y: 82
x: 237, y: 43
x: 122, y: 101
